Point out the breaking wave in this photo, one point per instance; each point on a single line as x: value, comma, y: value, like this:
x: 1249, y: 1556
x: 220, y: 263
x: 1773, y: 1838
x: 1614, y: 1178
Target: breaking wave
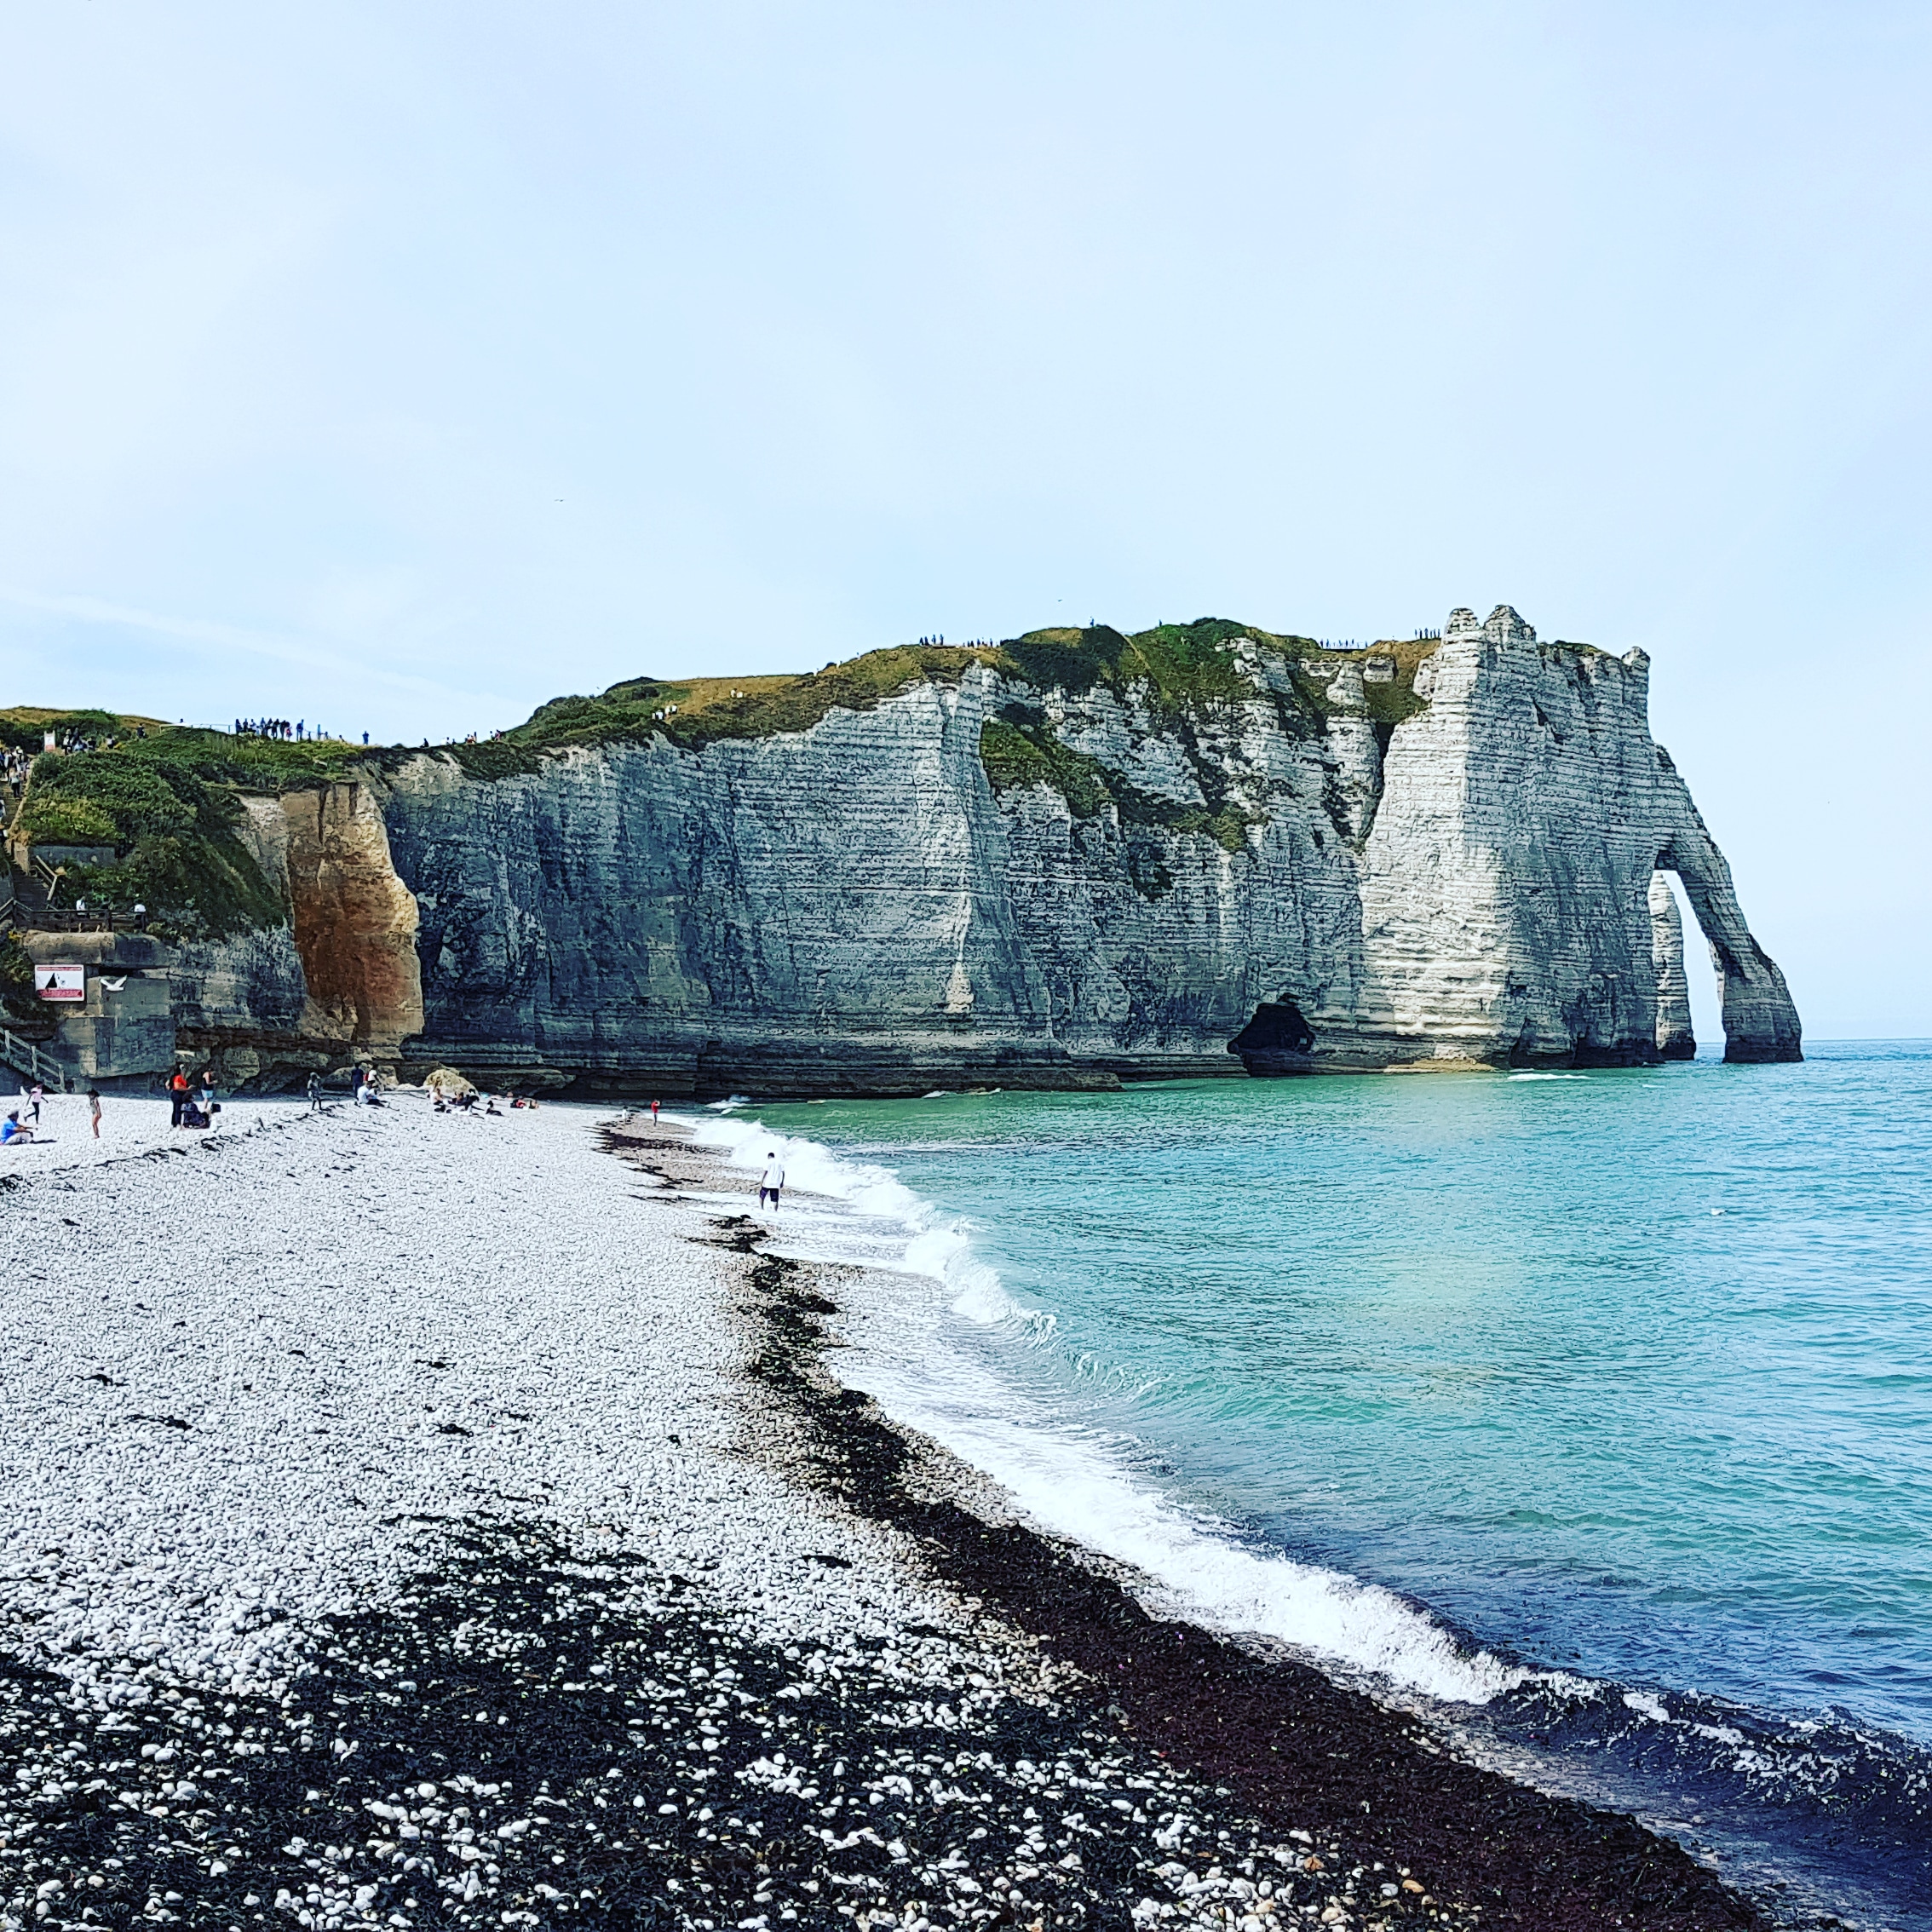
x: 1074, y: 1481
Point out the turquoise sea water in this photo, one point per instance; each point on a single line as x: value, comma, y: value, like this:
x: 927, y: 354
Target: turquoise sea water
x: 1619, y: 1385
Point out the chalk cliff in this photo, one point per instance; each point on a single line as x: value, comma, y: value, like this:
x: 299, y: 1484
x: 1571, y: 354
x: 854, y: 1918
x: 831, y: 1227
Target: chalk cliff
x: 1675, y: 1039
x: 1039, y: 868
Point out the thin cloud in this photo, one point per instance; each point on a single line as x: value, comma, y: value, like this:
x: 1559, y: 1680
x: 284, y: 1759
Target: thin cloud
x: 233, y: 637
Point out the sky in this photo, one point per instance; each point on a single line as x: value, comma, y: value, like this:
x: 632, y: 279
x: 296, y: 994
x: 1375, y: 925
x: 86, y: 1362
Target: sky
x: 400, y: 367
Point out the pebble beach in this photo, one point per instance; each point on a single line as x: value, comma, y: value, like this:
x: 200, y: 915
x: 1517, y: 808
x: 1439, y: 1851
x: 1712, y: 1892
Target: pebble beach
x: 422, y: 1519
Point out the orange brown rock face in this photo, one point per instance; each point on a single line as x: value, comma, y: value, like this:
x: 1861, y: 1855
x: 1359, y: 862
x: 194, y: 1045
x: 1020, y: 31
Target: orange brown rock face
x: 354, y: 920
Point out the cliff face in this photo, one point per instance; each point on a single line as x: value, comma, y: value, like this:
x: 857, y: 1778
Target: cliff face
x: 1337, y: 861
x: 1675, y: 1039
x: 354, y: 922
x: 339, y: 979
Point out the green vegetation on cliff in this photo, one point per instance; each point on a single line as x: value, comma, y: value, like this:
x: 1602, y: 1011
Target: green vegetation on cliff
x: 693, y: 712
x: 174, y: 820
x: 1019, y: 747
x: 1389, y: 700
x: 167, y: 798
x: 1184, y: 668
x: 17, y: 995
x: 1182, y: 671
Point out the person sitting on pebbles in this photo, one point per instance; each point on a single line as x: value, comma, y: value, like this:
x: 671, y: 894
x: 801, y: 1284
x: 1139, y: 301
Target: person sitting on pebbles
x: 12, y: 1128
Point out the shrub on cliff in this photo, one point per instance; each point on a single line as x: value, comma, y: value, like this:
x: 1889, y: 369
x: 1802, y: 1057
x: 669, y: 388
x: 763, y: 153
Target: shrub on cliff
x: 176, y: 836
x: 17, y: 997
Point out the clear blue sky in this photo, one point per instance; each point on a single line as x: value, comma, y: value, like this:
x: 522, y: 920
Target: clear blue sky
x: 400, y: 367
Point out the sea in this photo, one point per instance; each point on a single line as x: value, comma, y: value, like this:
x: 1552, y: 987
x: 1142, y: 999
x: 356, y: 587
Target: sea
x: 1588, y: 1413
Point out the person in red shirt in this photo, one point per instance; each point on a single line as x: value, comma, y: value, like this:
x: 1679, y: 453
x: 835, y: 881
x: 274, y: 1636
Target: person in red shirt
x: 177, y: 1096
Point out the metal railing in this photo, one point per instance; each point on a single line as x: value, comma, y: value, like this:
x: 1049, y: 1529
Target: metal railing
x: 25, y: 1057
x: 65, y: 919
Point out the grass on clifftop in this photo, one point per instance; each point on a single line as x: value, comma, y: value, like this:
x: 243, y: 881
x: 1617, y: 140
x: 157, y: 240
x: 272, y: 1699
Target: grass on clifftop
x: 708, y: 708
x: 168, y: 802
x: 1183, y: 670
x: 169, y: 805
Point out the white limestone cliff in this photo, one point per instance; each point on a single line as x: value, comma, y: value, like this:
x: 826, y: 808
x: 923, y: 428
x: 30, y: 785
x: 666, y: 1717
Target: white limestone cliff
x: 1301, y: 875
x: 1675, y: 1039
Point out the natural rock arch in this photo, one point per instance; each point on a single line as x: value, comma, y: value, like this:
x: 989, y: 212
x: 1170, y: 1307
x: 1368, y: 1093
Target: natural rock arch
x: 1760, y: 1022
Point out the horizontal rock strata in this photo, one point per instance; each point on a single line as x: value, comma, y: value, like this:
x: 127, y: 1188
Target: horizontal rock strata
x: 1439, y: 854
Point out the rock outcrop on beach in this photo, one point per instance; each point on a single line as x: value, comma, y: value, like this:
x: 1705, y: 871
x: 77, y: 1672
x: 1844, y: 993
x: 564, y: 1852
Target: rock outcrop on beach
x: 1071, y: 859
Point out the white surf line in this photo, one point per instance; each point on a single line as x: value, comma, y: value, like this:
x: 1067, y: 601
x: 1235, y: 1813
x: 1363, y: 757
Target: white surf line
x: 1199, y: 1569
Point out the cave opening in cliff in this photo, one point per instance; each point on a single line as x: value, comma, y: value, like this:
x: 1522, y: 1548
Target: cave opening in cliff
x: 1278, y: 1039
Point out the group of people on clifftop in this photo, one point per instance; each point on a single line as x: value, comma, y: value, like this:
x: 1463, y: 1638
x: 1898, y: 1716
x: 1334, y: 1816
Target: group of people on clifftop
x: 16, y: 760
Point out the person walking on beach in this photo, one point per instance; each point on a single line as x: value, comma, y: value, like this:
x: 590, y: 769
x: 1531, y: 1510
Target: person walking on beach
x: 770, y: 1181
x: 36, y: 1094
x: 177, y: 1096
x: 94, y: 1110
x: 314, y: 1091
x: 654, y: 1113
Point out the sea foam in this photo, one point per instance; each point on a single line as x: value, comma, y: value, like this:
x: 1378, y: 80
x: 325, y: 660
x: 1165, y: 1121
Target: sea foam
x: 1073, y: 1483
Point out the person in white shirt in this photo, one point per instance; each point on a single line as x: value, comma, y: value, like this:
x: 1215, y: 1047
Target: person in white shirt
x: 770, y: 1181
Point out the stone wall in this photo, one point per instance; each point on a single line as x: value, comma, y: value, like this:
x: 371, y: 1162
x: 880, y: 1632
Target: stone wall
x: 122, y: 1030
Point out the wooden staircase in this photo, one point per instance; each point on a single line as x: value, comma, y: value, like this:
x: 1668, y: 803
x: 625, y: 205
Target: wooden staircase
x: 32, y: 1064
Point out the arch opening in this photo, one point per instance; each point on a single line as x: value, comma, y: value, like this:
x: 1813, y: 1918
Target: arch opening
x: 1676, y: 1036
x: 1761, y: 1024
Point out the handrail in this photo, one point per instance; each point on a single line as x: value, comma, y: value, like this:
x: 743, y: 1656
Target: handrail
x: 59, y: 919
x: 25, y: 1057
